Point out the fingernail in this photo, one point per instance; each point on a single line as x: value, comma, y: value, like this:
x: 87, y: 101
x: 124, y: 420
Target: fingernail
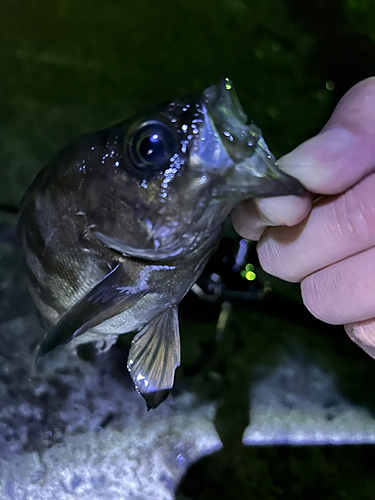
x: 318, y: 161
x: 363, y: 334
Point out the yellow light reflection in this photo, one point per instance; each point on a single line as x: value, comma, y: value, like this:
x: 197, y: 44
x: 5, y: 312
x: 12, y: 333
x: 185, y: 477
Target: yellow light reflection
x: 250, y: 276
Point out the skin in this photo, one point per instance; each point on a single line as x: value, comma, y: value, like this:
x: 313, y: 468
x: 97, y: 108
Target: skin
x: 329, y: 245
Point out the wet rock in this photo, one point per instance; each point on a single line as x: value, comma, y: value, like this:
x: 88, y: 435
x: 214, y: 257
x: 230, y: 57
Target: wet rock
x: 299, y: 403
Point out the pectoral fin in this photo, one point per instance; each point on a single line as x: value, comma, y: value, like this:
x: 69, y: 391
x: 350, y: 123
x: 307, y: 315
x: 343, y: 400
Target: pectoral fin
x: 107, y: 299
x: 154, y: 356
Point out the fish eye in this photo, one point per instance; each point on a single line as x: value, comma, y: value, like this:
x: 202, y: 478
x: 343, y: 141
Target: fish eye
x: 152, y: 145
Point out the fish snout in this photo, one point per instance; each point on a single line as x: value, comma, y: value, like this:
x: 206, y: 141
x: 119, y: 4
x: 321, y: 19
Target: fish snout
x: 238, y: 151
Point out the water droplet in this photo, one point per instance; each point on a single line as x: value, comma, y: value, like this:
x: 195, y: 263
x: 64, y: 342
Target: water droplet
x: 228, y: 135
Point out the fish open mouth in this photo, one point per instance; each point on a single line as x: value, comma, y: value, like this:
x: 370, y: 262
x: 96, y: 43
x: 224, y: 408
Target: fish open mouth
x: 230, y: 120
x: 251, y: 168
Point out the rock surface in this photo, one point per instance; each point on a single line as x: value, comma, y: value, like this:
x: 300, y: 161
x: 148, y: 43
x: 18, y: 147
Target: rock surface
x: 299, y: 403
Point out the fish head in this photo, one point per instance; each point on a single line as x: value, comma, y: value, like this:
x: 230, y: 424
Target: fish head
x: 180, y: 169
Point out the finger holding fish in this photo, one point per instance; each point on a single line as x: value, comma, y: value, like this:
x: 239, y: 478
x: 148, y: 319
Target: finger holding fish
x: 331, y: 252
x: 344, y: 292
x: 344, y: 151
x: 329, y: 163
x: 251, y: 217
x: 337, y: 228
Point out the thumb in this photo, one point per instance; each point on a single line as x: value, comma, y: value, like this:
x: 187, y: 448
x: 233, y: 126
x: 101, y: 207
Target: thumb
x: 344, y: 151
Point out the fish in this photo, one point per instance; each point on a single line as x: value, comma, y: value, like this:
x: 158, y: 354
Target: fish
x: 119, y: 225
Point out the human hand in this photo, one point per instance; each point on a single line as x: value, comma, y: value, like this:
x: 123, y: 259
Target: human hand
x: 329, y: 248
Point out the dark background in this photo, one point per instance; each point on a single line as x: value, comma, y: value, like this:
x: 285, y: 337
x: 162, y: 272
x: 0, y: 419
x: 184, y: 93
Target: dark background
x: 68, y: 67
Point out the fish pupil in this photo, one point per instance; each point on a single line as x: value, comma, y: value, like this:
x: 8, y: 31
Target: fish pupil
x: 152, y: 149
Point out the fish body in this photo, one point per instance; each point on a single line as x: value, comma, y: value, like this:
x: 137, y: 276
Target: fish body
x: 119, y: 225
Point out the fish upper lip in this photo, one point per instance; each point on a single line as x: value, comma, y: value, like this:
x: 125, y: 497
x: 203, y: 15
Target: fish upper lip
x: 250, y: 167
x: 222, y: 98
x: 238, y: 138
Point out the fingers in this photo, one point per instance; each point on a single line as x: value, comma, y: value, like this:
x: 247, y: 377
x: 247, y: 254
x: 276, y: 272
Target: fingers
x: 251, y: 217
x: 328, y: 163
x: 344, y: 292
x: 336, y: 228
x: 363, y: 334
x: 344, y: 151
x: 332, y: 251
x: 247, y: 221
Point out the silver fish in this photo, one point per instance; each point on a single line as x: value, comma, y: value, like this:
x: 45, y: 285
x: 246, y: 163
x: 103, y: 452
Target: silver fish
x: 119, y: 225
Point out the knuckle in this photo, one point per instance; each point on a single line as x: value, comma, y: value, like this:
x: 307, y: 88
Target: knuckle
x: 311, y: 296
x: 266, y: 254
x: 314, y: 296
x: 354, y: 212
x: 274, y: 259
